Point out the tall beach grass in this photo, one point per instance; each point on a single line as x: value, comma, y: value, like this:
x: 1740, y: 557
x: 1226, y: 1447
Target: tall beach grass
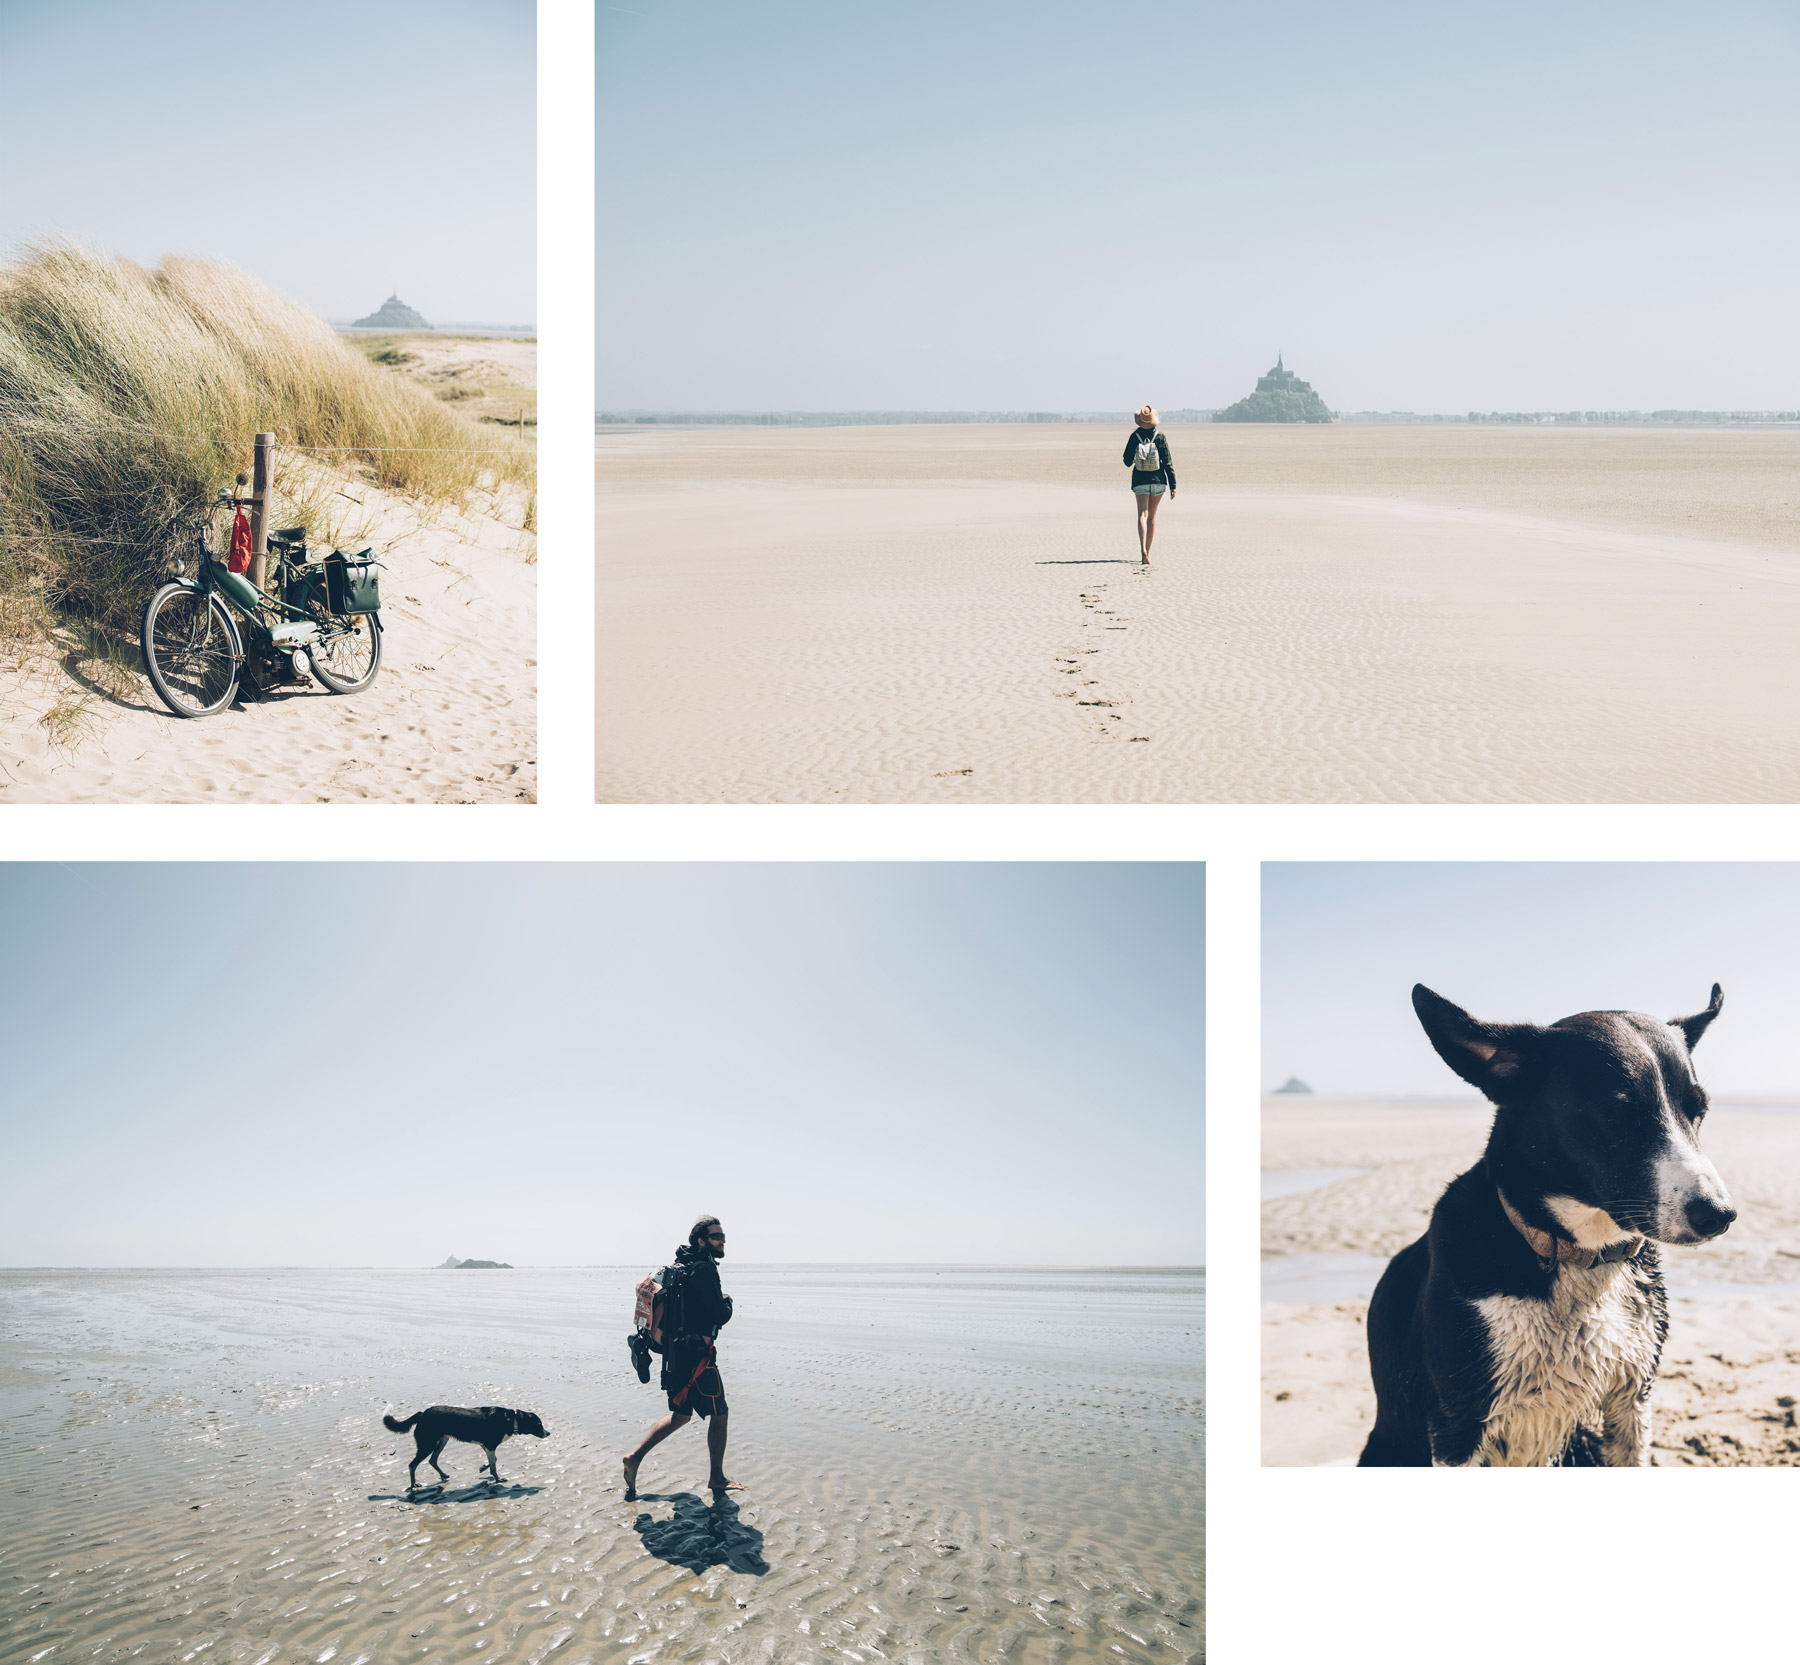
x: 129, y: 396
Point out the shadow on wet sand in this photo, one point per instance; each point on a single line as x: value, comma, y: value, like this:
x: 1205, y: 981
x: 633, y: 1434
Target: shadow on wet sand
x: 698, y: 1535
x: 462, y: 1494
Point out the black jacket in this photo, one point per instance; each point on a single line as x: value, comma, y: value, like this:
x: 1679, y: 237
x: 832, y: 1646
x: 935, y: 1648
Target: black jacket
x: 705, y: 1307
x: 1150, y: 476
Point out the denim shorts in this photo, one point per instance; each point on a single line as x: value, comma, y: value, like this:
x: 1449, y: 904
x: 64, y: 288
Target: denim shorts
x: 1154, y: 489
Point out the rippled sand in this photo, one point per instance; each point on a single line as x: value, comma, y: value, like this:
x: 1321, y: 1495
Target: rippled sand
x: 1725, y: 1394
x: 960, y: 1466
x: 1346, y: 614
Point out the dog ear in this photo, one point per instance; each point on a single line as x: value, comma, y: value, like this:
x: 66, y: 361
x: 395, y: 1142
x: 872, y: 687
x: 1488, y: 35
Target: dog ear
x: 1694, y: 1027
x: 1489, y: 1056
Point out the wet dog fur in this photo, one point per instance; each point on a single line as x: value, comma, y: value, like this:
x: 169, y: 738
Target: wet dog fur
x: 1489, y: 1350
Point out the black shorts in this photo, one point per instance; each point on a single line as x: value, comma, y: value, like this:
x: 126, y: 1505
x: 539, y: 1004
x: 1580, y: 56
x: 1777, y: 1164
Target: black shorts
x: 690, y: 1377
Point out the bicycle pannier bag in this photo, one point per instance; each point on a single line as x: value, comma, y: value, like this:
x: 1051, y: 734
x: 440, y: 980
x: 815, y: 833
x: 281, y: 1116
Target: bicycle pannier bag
x: 350, y: 584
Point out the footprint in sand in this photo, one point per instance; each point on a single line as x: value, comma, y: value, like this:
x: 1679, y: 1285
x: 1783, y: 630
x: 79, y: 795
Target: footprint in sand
x: 1071, y: 666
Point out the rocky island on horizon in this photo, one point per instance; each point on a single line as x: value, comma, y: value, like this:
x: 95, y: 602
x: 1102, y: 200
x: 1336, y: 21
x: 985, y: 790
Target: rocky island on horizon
x: 392, y: 314
x: 1280, y: 396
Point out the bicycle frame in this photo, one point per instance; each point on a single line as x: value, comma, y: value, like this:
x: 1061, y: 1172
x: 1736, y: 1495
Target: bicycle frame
x: 243, y: 600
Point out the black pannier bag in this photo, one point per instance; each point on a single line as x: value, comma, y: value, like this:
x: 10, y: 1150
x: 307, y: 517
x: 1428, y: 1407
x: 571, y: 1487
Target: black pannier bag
x: 350, y: 584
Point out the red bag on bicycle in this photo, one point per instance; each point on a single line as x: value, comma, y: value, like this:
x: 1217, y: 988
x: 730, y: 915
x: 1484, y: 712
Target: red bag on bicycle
x: 240, y: 544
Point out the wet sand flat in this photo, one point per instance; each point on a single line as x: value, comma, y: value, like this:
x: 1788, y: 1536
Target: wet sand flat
x: 1725, y: 1394
x: 958, y: 1465
x: 1344, y: 614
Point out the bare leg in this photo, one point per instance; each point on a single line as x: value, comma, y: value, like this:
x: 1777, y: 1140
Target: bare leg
x: 1150, y: 525
x: 663, y: 1429
x: 1141, y: 508
x: 715, y: 1446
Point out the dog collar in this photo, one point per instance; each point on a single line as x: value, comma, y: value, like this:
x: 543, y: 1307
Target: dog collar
x: 1552, y: 1250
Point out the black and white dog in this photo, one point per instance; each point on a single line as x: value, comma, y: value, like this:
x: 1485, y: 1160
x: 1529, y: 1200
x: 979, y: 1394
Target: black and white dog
x: 483, y: 1425
x: 1525, y: 1327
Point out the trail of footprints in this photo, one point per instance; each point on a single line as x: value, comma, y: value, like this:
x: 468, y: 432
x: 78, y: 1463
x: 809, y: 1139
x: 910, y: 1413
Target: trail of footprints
x: 1097, y: 702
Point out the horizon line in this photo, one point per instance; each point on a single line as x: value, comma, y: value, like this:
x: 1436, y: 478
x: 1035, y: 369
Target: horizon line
x: 1585, y: 416
x: 630, y: 1266
x: 1717, y: 1097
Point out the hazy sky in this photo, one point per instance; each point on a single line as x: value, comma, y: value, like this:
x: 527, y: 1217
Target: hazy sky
x: 1343, y: 945
x: 333, y: 148
x: 1050, y: 204
x: 556, y: 1064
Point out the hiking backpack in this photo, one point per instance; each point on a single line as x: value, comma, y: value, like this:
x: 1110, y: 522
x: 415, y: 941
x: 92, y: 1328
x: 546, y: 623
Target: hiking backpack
x: 660, y: 1313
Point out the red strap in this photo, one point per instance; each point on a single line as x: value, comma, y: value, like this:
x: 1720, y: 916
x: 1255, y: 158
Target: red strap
x: 706, y: 1358
x: 240, y: 544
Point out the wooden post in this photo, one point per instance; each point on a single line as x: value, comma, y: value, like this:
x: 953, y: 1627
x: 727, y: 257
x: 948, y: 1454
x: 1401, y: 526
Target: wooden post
x: 261, y: 490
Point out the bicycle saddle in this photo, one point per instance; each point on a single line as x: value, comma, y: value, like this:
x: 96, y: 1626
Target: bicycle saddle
x: 292, y: 534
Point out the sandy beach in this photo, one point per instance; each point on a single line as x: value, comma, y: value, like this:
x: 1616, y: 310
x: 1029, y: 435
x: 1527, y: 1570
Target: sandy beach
x: 938, y: 1465
x: 452, y: 718
x: 1726, y: 1392
x: 945, y: 614
x: 491, y: 378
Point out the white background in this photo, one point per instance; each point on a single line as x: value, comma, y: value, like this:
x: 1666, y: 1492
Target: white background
x: 1305, y: 1565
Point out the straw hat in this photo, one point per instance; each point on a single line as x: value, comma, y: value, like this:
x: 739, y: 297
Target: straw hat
x: 1146, y: 415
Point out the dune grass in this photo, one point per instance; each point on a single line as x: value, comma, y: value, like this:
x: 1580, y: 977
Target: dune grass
x: 129, y: 396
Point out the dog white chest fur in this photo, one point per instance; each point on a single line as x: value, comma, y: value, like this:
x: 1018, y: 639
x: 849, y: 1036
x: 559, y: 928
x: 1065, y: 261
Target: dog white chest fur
x: 1581, y: 1357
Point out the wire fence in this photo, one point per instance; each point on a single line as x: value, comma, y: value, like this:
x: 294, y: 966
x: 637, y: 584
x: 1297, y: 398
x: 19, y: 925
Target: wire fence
x: 197, y: 439
x: 290, y: 445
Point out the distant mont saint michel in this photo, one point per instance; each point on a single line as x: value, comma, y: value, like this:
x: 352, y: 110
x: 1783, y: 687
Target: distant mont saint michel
x: 1280, y: 396
x: 392, y: 314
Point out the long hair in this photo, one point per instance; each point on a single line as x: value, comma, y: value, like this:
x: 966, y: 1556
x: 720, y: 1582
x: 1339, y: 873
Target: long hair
x: 699, y: 1229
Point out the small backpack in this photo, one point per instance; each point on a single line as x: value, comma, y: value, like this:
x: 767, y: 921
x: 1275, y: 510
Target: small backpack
x: 1149, y: 458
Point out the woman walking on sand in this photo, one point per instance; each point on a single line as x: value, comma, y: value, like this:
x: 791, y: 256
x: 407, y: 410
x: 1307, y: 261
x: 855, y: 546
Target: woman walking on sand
x: 1152, y: 473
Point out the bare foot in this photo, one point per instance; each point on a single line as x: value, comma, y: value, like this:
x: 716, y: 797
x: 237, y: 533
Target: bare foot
x: 631, y: 1468
x: 718, y: 1483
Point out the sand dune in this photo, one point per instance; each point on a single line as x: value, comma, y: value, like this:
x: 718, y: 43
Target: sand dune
x: 1726, y: 1391
x: 452, y: 718
x: 944, y: 614
x: 492, y: 379
x: 197, y: 1465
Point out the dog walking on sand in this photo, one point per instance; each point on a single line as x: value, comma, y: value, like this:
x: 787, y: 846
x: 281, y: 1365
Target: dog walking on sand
x: 694, y: 1309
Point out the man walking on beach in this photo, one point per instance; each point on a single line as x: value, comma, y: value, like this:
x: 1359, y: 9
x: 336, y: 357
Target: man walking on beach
x: 690, y: 1368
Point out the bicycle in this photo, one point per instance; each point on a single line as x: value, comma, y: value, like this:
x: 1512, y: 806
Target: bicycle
x: 320, y: 617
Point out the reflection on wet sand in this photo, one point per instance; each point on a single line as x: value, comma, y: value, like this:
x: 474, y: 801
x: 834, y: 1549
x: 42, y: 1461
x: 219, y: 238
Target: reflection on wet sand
x: 939, y: 1465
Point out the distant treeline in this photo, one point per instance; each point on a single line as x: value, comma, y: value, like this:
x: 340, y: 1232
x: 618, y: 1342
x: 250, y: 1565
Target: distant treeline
x: 896, y: 418
x: 1603, y: 418
x: 870, y: 418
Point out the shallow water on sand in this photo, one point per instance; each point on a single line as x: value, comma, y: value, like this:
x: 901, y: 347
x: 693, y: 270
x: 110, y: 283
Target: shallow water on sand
x: 939, y: 1464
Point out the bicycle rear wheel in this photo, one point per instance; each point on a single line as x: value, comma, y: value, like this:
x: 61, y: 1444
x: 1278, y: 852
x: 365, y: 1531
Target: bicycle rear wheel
x: 347, y: 664
x: 191, y: 651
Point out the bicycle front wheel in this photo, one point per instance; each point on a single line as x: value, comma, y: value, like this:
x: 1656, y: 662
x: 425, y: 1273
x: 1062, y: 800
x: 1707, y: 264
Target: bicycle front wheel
x: 347, y: 664
x: 191, y: 652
